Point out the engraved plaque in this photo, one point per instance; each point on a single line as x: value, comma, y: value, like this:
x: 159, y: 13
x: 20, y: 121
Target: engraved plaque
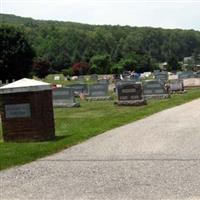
x: 17, y: 110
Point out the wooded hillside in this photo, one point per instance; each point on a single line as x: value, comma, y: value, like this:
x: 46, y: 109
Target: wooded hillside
x: 104, y: 48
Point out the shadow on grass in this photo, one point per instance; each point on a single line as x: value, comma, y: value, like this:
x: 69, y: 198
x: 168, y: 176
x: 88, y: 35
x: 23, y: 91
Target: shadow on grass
x: 61, y: 137
x: 55, y: 139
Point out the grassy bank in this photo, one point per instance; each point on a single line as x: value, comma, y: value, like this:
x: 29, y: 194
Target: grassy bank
x: 75, y: 125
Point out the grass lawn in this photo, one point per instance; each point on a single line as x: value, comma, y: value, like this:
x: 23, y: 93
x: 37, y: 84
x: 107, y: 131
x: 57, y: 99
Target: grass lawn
x: 74, y: 125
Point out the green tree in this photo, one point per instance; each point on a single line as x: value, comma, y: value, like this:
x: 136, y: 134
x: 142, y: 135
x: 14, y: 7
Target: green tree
x: 101, y: 63
x: 172, y: 64
x: 41, y: 67
x: 16, y: 54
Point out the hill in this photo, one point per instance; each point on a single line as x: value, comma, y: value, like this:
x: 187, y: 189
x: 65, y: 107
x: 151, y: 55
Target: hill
x: 106, y: 48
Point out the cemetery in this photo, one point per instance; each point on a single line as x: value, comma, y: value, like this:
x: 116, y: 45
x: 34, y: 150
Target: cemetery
x: 106, y: 107
x: 32, y: 111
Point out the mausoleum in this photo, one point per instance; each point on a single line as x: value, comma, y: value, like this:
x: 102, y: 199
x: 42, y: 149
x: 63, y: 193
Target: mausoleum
x: 27, y: 111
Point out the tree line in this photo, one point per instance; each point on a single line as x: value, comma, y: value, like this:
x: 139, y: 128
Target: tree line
x: 66, y: 46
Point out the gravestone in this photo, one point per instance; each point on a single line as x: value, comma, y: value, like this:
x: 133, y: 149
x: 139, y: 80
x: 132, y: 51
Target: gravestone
x: 155, y: 72
x: 94, y: 77
x: 153, y: 89
x: 103, y: 81
x: 79, y: 88
x: 146, y: 75
x: 185, y: 75
x: 173, y: 77
x: 119, y: 82
x: 98, y: 91
x: 81, y: 78
x: 191, y: 82
x: 197, y: 75
x: 161, y: 77
x: 134, y: 78
x: 56, y: 78
x: 130, y: 94
x: 64, y: 97
x: 116, y: 77
x: 176, y: 86
x: 126, y: 75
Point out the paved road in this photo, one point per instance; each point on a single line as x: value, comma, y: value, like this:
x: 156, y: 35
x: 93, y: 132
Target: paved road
x: 154, y: 158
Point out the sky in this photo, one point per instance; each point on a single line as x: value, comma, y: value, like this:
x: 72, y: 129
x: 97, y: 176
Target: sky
x: 184, y: 14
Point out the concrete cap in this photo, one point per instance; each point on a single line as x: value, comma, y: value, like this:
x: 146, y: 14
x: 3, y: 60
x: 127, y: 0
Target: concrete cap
x: 25, y: 85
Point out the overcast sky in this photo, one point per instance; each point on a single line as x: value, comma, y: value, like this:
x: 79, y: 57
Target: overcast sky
x: 183, y: 14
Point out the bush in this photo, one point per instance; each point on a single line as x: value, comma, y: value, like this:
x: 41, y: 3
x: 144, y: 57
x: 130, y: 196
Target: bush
x: 80, y: 68
x: 41, y: 67
x: 16, y: 54
x: 67, y: 72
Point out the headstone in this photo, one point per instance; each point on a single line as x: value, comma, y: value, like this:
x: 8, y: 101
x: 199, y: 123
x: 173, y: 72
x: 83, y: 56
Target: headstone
x: 161, y: 76
x: 154, y: 89
x: 79, y: 88
x: 94, y: 77
x: 1, y: 83
x: 64, y: 97
x: 191, y: 82
x: 81, y: 78
x: 173, y: 77
x: 176, y: 86
x: 197, y: 75
x: 116, y: 77
x: 145, y: 75
x: 130, y: 94
x: 98, y: 91
x: 185, y: 75
x: 155, y: 72
x: 7, y: 81
x: 56, y: 78
x: 103, y: 81
x: 126, y: 75
x: 134, y: 78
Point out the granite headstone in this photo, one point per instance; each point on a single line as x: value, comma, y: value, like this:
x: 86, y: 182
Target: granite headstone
x: 130, y: 94
x: 79, y: 88
x: 64, y: 97
x: 191, y: 82
x: 154, y: 89
x: 98, y: 91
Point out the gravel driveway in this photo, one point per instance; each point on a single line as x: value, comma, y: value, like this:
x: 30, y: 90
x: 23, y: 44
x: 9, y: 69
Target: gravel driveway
x: 154, y: 158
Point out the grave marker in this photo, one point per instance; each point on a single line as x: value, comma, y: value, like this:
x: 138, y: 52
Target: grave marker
x: 94, y: 77
x: 161, y: 76
x: 103, y: 81
x: 56, y: 78
x: 81, y: 78
x: 64, y: 97
x: 98, y: 91
x: 130, y: 94
x: 79, y: 88
x: 191, y: 82
x: 185, y: 75
x: 176, y: 86
x: 154, y: 89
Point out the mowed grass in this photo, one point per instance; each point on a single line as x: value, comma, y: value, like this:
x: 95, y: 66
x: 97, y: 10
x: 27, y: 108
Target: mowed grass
x: 75, y: 125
